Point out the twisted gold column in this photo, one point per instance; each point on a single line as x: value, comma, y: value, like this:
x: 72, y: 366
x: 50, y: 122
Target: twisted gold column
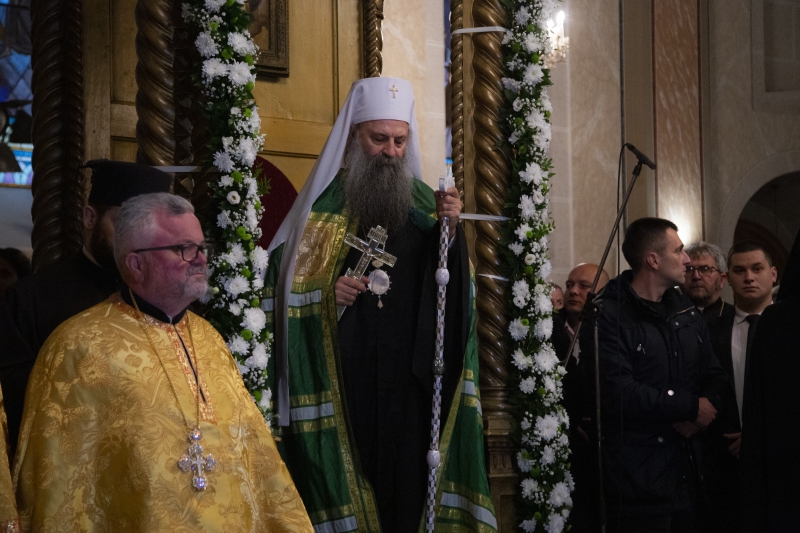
x: 155, y: 107
x: 57, y: 130
x: 492, y: 169
x: 373, y: 38
x: 457, y: 92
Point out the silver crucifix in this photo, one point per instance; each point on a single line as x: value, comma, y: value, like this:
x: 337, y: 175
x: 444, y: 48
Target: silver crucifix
x: 372, y: 248
x: 196, y: 463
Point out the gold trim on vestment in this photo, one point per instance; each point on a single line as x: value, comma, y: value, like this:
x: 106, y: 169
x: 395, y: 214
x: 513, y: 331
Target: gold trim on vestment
x: 462, y: 516
x: 306, y: 310
x: 302, y: 400
x: 316, y: 254
x: 182, y: 328
x: 476, y: 498
x: 469, y: 375
x: 334, y: 513
x: 311, y: 426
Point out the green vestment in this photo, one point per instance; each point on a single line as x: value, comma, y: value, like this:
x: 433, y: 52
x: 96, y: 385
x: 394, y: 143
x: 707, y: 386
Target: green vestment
x: 318, y: 445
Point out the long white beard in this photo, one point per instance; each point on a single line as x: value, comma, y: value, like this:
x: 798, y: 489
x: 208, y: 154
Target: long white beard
x: 377, y: 189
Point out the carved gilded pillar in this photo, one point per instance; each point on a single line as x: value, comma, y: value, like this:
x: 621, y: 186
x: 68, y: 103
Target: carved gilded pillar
x: 457, y: 92
x: 57, y: 130
x: 492, y: 169
x: 155, y: 78
x: 373, y: 38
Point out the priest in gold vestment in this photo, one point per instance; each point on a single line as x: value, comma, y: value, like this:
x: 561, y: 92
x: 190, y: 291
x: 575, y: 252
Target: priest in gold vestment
x: 8, y: 509
x: 136, y: 417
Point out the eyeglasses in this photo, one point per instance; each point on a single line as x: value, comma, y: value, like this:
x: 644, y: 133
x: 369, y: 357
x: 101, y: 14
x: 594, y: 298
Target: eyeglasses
x: 704, y: 270
x: 189, y: 251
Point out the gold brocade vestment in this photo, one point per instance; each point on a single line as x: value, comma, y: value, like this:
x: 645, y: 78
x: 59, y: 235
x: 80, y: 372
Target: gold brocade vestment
x: 102, y: 433
x: 8, y: 510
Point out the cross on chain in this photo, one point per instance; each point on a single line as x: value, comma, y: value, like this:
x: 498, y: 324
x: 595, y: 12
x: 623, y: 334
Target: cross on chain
x: 394, y: 90
x: 372, y: 249
x: 196, y: 463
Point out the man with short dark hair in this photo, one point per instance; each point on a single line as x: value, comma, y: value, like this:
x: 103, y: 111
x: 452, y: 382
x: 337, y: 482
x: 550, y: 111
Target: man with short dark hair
x: 39, y: 303
x: 659, y: 381
x: 137, y: 414
x: 705, y: 277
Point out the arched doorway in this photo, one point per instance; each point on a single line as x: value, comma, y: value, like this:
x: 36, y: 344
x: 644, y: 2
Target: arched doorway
x: 771, y: 217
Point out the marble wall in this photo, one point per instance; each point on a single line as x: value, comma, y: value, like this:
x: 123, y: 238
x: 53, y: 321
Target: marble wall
x: 413, y: 48
x: 746, y: 145
x: 586, y: 127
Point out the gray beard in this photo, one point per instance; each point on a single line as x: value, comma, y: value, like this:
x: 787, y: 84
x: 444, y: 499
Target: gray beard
x: 377, y: 189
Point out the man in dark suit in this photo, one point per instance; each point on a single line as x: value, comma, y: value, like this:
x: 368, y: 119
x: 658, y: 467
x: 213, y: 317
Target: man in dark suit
x: 751, y: 276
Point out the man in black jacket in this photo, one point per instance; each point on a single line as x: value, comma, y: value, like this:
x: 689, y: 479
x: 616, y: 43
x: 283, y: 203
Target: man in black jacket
x: 659, y: 383
x: 38, y: 304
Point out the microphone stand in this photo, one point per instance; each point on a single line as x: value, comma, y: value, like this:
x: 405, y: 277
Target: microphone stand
x: 591, y: 311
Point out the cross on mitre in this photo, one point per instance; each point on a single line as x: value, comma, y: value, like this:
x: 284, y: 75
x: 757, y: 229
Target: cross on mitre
x: 394, y: 90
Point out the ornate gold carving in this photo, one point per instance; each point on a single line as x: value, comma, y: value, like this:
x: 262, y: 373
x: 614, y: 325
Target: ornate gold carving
x: 457, y: 92
x: 155, y: 105
x: 57, y: 130
x: 373, y: 38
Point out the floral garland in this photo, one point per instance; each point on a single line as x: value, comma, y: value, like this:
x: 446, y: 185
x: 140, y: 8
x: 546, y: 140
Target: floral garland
x: 544, y: 446
x: 226, y: 79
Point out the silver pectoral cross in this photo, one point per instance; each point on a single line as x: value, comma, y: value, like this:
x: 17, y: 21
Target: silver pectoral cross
x: 195, y: 462
x: 372, y: 248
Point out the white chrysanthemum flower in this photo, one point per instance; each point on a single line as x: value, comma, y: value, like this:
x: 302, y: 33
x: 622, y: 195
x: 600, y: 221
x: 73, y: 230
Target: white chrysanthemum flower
x: 547, y: 427
x: 239, y: 73
x: 223, y: 161
x: 533, y: 173
x: 516, y: 247
x: 238, y: 345
x: 233, y: 197
x: 528, y: 525
x: 213, y: 68
x: 527, y: 385
x: 254, y: 320
x: 237, y: 285
x: 260, y: 257
x: 559, y: 496
x: 529, y: 488
x: 521, y: 360
x: 247, y: 151
x: 544, y: 100
x: 527, y: 205
x: 569, y: 480
x: 266, y: 398
x: 542, y: 303
x: 517, y: 330
x: 224, y: 219
x: 257, y: 283
x: 525, y: 425
x: 206, y: 45
x: 545, y: 269
x: 235, y: 255
x: 532, y: 43
x: 555, y: 524
x: 227, y: 142
x: 214, y: 5
x: 543, y: 328
x: 507, y: 36
x: 563, y: 440
x: 533, y: 74
x: 259, y: 358
x: 252, y: 124
x: 522, y: 231
x: 225, y: 181
x: 522, y: 16
x: 521, y: 289
x: 241, y: 44
x: 252, y: 187
x: 235, y: 309
x: 549, y: 384
x: 535, y: 119
x: 511, y: 84
x: 538, y: 197
x: 235, y: 111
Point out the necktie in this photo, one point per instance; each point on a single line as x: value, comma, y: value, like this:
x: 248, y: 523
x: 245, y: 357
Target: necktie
x: 752, y: 320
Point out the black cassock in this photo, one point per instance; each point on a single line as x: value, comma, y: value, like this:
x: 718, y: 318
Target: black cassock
x: 33, y: 308
x: 770, y: 449
x: 386, y: 356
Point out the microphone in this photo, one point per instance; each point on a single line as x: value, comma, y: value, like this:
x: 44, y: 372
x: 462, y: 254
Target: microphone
x: 640, y: 156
